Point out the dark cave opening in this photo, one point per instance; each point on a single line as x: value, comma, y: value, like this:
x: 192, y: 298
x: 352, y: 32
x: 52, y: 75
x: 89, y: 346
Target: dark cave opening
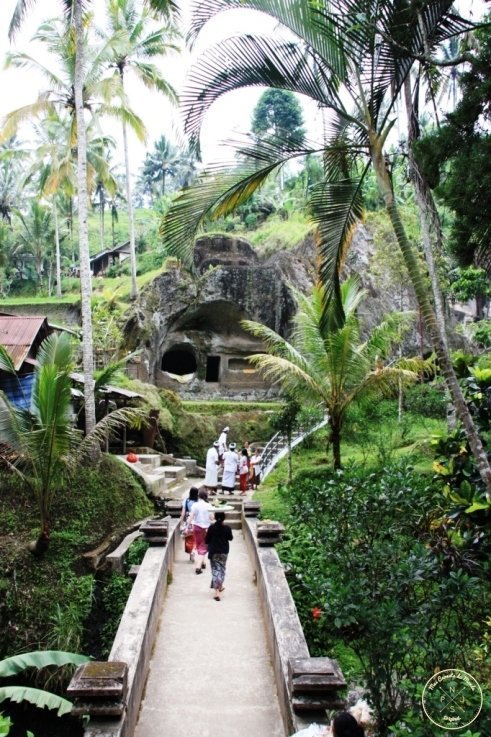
x: 179, y: 360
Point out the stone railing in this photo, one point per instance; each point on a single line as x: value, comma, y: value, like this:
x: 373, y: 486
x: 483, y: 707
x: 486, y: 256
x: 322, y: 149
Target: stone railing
x: 111, y: 692
x: 307, y: 686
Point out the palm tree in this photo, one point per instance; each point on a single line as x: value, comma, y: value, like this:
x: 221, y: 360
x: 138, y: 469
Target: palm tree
x: 137, y: 43
x: 47, y: 446
x: 160, y: 163
x: 327, y: 362
x: 77, y: 87
x: 36, y: 236
x: 74, y: 13
x: 351, y: 57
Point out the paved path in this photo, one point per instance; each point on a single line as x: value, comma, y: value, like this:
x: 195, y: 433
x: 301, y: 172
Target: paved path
x: 210, y: 673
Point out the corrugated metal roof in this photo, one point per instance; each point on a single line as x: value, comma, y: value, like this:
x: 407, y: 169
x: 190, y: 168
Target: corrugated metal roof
x: 18, y: 333
x: 109, y: 388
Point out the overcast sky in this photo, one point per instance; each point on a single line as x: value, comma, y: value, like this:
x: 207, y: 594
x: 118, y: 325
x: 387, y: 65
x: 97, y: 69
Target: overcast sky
x: 228, y: 116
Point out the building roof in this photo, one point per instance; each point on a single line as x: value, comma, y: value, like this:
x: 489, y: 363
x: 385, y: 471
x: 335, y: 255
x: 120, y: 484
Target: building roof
x: 19, y: 332
x: 125, y: 247
x: 108, y: 388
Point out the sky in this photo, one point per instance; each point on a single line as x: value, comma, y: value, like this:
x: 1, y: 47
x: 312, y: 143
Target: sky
x: 229, y: 116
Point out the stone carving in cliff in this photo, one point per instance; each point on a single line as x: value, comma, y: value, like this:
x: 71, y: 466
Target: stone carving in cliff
x: 189, y: 327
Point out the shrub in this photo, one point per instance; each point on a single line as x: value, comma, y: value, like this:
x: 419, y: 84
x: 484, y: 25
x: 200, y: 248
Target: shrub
x: 358, y: 550
x: 427, y: 400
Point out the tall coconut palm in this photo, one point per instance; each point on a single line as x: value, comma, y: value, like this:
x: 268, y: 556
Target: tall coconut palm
x: 74, y: 87
x: 328, y: 362
x: 351, y: 57
x: 54, y: 167
x: 36, y: 236
x: 74, y: 13
x: 137, y: 43
x: 159, y: 164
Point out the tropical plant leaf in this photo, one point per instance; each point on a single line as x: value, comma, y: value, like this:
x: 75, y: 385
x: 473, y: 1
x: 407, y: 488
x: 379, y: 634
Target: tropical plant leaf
x: 246, y: 61
x: 37, y: 697
x: 39, y: 659
x: 6, y: 363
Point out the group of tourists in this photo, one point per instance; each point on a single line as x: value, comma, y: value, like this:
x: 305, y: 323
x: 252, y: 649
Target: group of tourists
x: 202, y: 526
x: 223, y: 455
x: 205, y: 536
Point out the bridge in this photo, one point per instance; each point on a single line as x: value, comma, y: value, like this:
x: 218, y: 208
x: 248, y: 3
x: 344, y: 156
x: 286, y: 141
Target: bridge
x: 184, y: 665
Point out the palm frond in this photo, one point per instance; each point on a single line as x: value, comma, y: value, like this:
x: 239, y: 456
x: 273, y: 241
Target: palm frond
x: 151, y: 77
x: 37, y: 697
x: 246, y: 61
x: 12, y: 121
x: 111, y: 373
x: 213, y: 195
x: 6, y: 362
x: 21, y: 60
x: 337, y: 208
x: 299, y: 17
x: 112, y: 422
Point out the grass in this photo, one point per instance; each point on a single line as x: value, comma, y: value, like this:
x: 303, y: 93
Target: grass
x: 370, y: 445
x: 65, y: 299
x: 277, y: 234
x: 225, y: 406
x: 123, y: 283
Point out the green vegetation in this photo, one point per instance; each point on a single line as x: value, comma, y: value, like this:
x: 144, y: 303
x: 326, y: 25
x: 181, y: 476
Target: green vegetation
x: 52, y: 598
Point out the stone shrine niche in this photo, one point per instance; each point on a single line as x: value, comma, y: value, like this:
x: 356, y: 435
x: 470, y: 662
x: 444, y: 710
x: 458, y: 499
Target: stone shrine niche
x: 205, y: 352
x: 190, y: 326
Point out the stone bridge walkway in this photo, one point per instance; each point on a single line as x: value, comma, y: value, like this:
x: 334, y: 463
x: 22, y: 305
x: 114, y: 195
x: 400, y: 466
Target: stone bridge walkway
x: 211, y: 673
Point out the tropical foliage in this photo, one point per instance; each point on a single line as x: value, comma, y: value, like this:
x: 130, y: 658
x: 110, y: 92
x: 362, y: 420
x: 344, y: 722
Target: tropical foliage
x: 329, y: 361
x: 352, y: 58
x: 39, y: 659
x: 46, y: 445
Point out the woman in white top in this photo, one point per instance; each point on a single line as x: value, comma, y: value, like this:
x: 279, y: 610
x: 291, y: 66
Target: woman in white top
x: 230, y: 465
x: 200, y: 518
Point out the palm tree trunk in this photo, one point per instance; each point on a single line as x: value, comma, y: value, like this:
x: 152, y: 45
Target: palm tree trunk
x: 428, y: 214
x: 57, y: 246
x: 416, y: 277
x: 131, y: 222
x: 83, y: 232
x: 101, y: 218
x: 335, y: 440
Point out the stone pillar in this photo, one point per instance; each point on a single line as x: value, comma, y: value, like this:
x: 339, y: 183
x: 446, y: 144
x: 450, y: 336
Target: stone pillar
x: 269, y: 533
x: 314, y: 684
x: 99, y: 689
x: 155, y: 531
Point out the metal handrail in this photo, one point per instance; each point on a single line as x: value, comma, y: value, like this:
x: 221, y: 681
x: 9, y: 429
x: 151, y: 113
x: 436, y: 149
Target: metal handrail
x: 277, y: 447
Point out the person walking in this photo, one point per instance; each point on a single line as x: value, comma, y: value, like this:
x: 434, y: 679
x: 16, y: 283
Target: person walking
x: 222, y: 443
x: 255, y: 469
x: 187, y: 505
x: 200, y: 518
x: 218, y: 539
x: 230, y: 465
x: 212, y: 463
x: 243, y: 470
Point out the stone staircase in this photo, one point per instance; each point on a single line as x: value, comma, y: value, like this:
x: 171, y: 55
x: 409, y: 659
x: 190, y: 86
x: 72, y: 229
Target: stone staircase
x: 233, y: 518
x: 159, y: 479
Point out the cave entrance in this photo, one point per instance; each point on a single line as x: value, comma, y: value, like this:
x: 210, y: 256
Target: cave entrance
x: 212, y: 368
x: 179, y: 360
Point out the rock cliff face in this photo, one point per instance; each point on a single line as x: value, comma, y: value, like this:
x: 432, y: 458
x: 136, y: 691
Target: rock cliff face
x: 190, y: 328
